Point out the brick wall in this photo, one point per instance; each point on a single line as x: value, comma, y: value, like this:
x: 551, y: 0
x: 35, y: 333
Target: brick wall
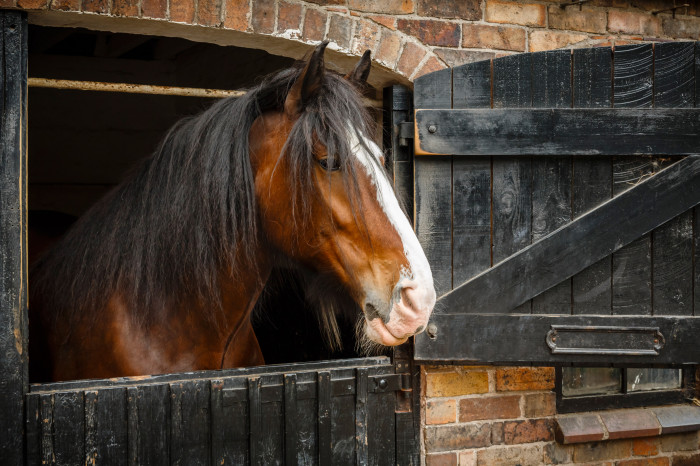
x: 505, y: 416
x: 409, y: 37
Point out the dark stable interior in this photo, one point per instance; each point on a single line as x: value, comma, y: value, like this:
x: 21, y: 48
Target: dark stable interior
x: 82, y: 143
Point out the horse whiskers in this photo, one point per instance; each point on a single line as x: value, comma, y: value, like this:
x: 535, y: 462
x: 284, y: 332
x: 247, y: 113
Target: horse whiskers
x: 363, y: 345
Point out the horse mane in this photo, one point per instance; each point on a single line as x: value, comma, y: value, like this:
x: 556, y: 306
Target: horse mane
x: 188, y: 213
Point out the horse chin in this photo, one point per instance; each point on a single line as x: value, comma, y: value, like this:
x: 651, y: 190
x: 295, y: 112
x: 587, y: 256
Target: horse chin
x: 377, y: 331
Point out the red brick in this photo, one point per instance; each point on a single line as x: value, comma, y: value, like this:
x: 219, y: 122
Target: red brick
x: 527, y: 14
x: 11, y: 4
x: 396, y: 7
x: 410, y: 59
x: 463, y: 9
x: 555, y: 453
x: 467, y: 458
x: 182, y: 11
x: 366, y: 36
x: 65, y: 5
x: 550, y: 40
x: 645, y: 462
x: 645, y: 447
x: 457, y: 437
x: 525, y: 455
x: 630, y: 423
x: 32, y: 4
x: 679, y: 28
x: 95, y: 6
x: 433, y: 64
x: 154, y: 8
x: 631, y: 22
x: 497, y: 407
x: 450, y: 383
x: 389, y: 48
x: 540, y: 405
x: 431, y: 32
x: 456, y: 57
x: 386, y: 21
x: 237, y: 15
x: 601, y: 451
x: 262, y: 18
x: 680, y: 442
x: 288, y: 17
x: 691, y: 460
x: 525, y: 378
x: 328, y: 2
x: 586, y: 20
x: 209, y: 12
x: 529, y: 431
x: 493, y: 37
x: 125, y: 8
x: 442, y: 459
x: 438, y: 411
x: 497, y: 433
x: 314, y: 25
x: 340, y: 30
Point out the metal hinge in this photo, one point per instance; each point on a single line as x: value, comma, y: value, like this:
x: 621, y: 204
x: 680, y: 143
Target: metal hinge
x: 406, y: 131
x: 390, y: 383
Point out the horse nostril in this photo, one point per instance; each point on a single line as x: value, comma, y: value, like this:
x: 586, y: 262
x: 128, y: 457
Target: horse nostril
x: 371, y: 311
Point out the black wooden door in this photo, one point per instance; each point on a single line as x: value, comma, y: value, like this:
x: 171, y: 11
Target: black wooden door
x: 560, y: 221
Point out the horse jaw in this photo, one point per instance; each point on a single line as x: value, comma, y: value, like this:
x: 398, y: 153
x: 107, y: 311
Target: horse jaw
x: 413, y: 295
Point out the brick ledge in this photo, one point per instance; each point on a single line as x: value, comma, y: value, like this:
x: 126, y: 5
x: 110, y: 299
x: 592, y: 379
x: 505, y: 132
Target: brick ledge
x: 626, y: 423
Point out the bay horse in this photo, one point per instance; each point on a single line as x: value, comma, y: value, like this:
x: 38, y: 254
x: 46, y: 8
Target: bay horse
x: 161, y: 275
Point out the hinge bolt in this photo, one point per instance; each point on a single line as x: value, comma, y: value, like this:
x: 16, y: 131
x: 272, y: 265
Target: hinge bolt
x: 382, y: 384
x: 432, y: 330
x: 432, y: 128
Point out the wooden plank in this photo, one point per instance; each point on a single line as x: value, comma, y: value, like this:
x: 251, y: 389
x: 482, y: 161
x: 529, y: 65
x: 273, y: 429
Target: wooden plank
x: 231, y: 425
x: 580, y: 243
x: 324, y: 417
x: 47, y: 452
x: 91, y: 427
x: 672, y: 252
x: 68, y: 428
x: 361, y: 441
x: 397, y: 109
x: 592, y: 177
x: 473, y: 339
x: 405, y: 442
x: 111, y: 427
x: 471, y: 182
x: 291, y: 422
x: 343, y: 425
x: 272, y: 427
x: 33, y: 430
x: 189, y: 413
x: 571, y: 131
x: 512, y: 81
x: 433, y: 186
x: 632, y: 88
x: 13, y: 270
x: 551, y: 176
x: 381, y: 426
x: 149, y: 424
x: 255, y: 421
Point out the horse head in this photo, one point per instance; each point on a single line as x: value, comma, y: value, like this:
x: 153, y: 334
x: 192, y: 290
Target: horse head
x: 326, y: 202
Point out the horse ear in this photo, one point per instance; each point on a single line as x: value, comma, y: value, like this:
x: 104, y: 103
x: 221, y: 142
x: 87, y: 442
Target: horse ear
x: 361, y: 72
x: 308, y: 82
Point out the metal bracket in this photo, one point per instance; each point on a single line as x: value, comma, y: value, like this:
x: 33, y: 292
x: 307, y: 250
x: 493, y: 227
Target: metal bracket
x: 406, y: 132
x: 605, y: 340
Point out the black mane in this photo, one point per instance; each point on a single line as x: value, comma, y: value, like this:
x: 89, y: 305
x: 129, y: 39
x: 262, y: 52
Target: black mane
x: 165, y: 234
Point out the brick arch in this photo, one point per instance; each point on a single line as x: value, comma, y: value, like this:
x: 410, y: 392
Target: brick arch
x: 286, y: 28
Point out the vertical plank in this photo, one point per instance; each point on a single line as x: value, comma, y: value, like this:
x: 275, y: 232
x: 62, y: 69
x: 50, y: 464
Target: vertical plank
x: 291, y: 422
x: 272, y: 423
x: 405, y: 443
x: 68, y: 425
x: 111, y: 436
x: 47, y: 454
x: 672, y: 243
x: 397, y: 108
x: 632, y: 264
x: 190, y: 423
x: 361, y: 441
x: 324, y: 417
x: 592, y: 177
x: 551, y: 176
x: 343, y: 428
x: 471, y: 182
x: 381, y: 427
x: 13, y: 213
x: 255, y: 420
x: 33, y: 431
x: 90, y: 428
x: 433, y: 186
x: 149, y: 424
x: 230, y: 428
x: 512, y: 176
x: 696, y: 210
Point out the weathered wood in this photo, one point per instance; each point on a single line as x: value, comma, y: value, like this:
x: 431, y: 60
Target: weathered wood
x: 149, y: 424
x: 512, y: 82
x: 324, y: 417
x: 47, y: 453
x: 291, y: 421
x: 111, y: 427
x: 13, y: 214
x: 33, y: 430
x: 672, y: 260
x: 68, y: 437
x: 398, y: 153
x: 471, y: 85
x: 361, y: 441
x: 473, y: 338
x: 632, y: 79
x: 551, y: 176
x: 541, y: 132
x: 380, y: 419
x: 433, y: 187
x: 592, y: 177
x: 596, y: 234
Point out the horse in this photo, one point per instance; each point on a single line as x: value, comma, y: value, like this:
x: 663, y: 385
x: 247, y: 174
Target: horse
x: 162, y: 273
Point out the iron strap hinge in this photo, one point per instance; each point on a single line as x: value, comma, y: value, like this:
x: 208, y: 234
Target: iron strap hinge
x: 389, y: 383
x: 406, y: 132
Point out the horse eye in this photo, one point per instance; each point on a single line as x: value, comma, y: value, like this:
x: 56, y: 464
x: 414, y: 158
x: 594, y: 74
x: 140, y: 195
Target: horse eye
x: 329, y: 165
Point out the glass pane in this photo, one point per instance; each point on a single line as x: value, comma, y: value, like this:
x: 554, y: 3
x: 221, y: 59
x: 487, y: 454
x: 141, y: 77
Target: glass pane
x: 653, y: 379
x: 577, y: 381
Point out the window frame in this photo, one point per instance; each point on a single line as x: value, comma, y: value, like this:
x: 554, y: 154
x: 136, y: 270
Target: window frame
x: 625, y: 399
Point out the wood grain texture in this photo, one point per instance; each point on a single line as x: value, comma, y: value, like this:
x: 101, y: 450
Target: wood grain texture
x: 68, y: 436
x: 592, y: 177
x: 632, y: 88
x: 399, y: 158
x: 149, y: 424
x: 13, y: 213
x: 672, y: 244
x: 471, y: 85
